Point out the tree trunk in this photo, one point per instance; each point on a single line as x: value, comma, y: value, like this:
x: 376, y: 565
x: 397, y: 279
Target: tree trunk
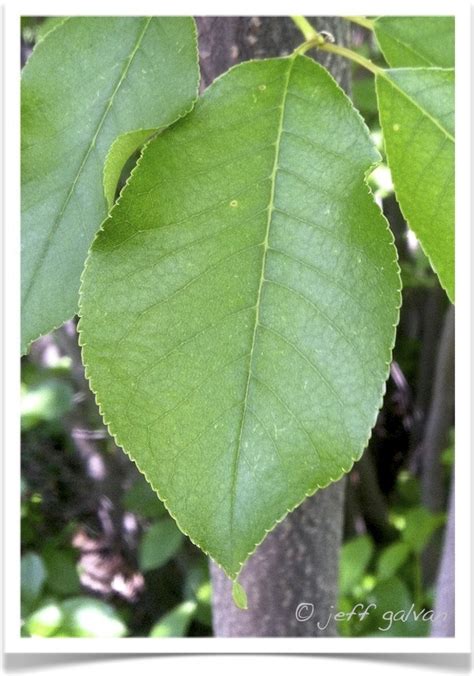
x: 298, y: 561
x: 443, y: 624
x: 294, y: 573
x: 440, y: 419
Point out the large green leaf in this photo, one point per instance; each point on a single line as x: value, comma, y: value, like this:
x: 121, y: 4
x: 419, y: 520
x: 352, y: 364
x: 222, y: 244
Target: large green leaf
x: 238, y: 306
x: 416, y: 40
x: 417, y: 115
x: 89, y: 80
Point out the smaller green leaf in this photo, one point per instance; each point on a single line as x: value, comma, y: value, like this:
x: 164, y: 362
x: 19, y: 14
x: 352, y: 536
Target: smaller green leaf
x: 239, y: 595
x: 354, y: 559
x: 420, y: 524
x: 393, y: 612
x: 176, y: 622
x: 33, y: 576
x: 49, y: 400
x: 198, y: 587
x: 421, y: 41
x: 416, y: 107
x: 160, y: 543
x: 447, y: 457
x: 62, y: 572
x: 85, y: 617
x: 391, y: 558
x: 408, y: 489
x: 142, y: 500
x: 45, y: 621
x: 203, y: 596
x: 29, y: 28
x: 120, y: 151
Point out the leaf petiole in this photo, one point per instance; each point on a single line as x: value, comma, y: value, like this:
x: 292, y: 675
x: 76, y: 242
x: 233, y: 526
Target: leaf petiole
x: 301, y: 22
x: 361, y: 21
x: 353, y: 56
x: 321, y: 43
x: 315, y: 40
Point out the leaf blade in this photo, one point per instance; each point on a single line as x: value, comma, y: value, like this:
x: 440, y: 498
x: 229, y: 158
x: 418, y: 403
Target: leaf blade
x: 421, y: 41
x: 416, y: 108
x: 230, y: 233
x: 62, y: 200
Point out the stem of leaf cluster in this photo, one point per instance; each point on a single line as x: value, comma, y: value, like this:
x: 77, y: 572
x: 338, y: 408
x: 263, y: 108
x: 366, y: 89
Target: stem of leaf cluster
x: 320, y: 43
x: 361, y: 21
x: 353, y: 56
x: 301, y: 22
x: 315, y: 40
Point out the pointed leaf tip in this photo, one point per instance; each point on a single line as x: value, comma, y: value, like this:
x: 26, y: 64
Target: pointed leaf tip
x: 239, y: 595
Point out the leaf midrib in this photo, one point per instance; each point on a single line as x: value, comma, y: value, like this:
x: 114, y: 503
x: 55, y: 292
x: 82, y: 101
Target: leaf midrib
x: 57, y: 221
x: 265, y: 245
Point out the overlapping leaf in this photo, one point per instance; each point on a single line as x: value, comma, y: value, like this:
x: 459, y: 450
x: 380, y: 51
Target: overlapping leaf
x: 238, y: 306
x: 416, y: 109
x: 120, y: 151
x: 416, y: 41
x: 89, y: 80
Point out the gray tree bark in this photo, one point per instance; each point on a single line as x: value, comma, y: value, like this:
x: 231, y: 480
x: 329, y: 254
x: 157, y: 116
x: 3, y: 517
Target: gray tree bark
x: 440, y: 419
x: 292, y: 579
x: 297, y: 564
x: 443, y: 624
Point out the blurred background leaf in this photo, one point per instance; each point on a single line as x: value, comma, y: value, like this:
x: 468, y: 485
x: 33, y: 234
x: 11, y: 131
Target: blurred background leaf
x: 86, y: 617
x: 391, y: 558
x: 176, y: 622
x: 354, y: 560
x: 160, y: 543
x: 143, y: 500
x: 33, y: 576
x: 419, y: 526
